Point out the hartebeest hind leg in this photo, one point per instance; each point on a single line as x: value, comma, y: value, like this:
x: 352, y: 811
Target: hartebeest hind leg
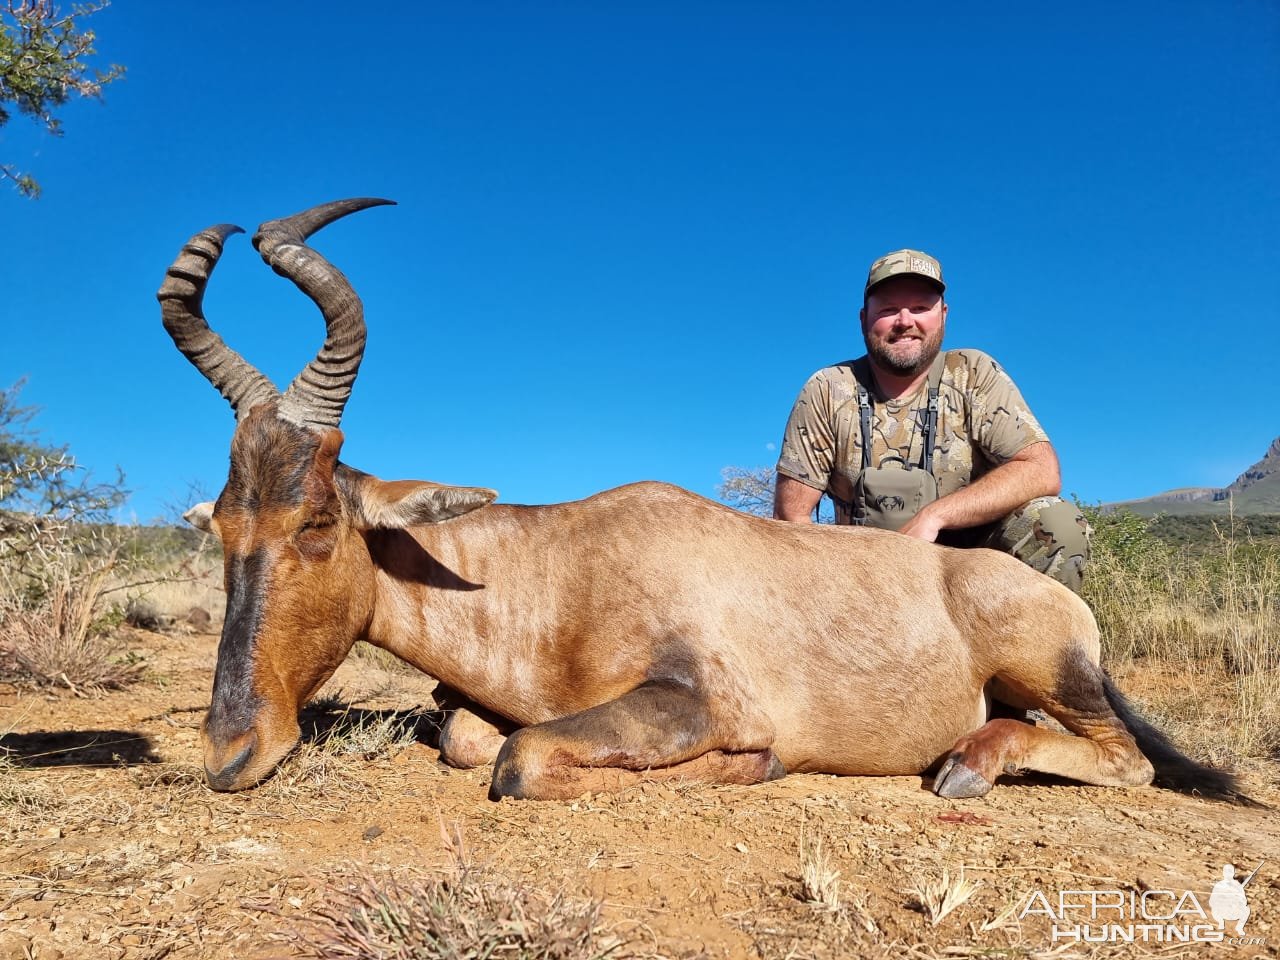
x: 1103, y: 750
x: 660, y: 730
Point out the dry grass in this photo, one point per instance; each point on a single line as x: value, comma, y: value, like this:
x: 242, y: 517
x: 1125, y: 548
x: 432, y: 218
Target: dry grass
x: 382, y: 659
x: 369, y: 736
x: 466, y: 911
x: 936, y: 899
x: 1212, y: 617
x: 174, y: 589
x: 65, y: 636
x: 20, y: 795
x: 842, y: 917
x: 819, y: 879
x: 326, y: 767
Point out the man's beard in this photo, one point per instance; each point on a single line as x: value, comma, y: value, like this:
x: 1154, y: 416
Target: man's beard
x: 907, y: 362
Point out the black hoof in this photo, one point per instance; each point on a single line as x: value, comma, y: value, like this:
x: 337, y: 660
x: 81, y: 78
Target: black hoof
x: 955, y: 781
x: 506, y: 781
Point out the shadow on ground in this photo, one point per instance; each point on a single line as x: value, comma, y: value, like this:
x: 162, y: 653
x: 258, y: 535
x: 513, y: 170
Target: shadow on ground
x: 78, y: 748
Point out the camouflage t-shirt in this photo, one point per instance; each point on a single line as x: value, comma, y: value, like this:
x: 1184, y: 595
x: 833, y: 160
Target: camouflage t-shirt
x: 982, y: 422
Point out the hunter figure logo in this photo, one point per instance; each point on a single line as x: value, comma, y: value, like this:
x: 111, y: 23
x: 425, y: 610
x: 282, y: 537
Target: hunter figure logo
x: 1149, y: 916
x: 1229, y: 901
x: 888, y: 502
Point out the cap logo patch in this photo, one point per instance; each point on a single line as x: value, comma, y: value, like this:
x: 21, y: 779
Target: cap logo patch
x: 924, y: 267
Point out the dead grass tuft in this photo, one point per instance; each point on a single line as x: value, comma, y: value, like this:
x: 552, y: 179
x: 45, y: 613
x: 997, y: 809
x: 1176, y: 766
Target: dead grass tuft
x: 843, y: 916
x: 65, y: 637
x: 819, y: 879
x: 325, y: 767
x: 310, y: 774
x: 382, y: 659
x: 371, y: 737
x: 936, y: 899
x: 467, y: 911
x: 21, y: 795
x: 342, y: 730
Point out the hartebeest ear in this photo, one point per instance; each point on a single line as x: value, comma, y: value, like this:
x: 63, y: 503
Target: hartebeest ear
x: 392, y: 504
x: 200, y: 516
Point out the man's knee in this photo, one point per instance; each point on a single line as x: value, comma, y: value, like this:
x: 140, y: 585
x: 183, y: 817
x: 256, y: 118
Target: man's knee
x: 1047, y: 534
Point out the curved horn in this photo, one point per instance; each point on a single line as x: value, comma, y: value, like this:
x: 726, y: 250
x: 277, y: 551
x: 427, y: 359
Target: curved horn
x: 318, y: 394
x: 181, y: 299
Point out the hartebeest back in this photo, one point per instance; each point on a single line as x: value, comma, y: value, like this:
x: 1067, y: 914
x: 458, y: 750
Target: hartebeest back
x: 645, y: 631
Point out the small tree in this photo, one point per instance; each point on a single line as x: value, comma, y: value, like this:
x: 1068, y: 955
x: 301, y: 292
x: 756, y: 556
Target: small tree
x: 58, y: 550
x: 44, y: 63
x: 44, y: 496
x: 750, y: 489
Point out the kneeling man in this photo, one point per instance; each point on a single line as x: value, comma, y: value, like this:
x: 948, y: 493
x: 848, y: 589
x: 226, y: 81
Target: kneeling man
x: 935, y: 444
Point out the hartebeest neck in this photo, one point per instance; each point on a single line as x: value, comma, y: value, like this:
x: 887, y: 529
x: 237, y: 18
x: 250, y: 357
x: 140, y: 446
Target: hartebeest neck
x: 460, y: 602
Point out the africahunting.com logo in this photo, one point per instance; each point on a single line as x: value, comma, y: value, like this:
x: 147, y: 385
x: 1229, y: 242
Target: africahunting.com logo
x: 1152, y: 916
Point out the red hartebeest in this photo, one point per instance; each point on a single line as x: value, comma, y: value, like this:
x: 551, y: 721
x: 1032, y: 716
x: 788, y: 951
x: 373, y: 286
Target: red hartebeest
x: 644, y: 631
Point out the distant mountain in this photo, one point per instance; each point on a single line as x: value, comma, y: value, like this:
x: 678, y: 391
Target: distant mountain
x: 1257, y: 490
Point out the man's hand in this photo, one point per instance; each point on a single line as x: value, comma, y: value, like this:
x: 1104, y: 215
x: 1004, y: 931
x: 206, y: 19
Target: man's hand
x: 1031, y: 473
x: 925, y: 525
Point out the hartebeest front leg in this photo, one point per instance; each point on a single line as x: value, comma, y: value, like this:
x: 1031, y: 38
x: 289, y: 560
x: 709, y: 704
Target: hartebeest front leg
x: 468, y: 740
x: 660, y: 730
x: 471, y: 735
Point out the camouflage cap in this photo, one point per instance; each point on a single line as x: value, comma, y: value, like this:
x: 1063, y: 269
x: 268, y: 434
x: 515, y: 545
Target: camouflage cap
x: 900, y: 262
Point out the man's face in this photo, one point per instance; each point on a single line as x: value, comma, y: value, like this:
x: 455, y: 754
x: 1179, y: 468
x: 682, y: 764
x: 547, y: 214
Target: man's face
x: 903, y: 323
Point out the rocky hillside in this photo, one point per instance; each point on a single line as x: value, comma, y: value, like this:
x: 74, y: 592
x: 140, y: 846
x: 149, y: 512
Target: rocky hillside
x: 1257, y: 490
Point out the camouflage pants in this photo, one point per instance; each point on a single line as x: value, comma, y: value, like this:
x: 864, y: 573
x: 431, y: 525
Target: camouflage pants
x: 1047, y: 534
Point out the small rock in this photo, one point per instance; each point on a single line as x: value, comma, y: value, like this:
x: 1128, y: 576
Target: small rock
x: 373, y: 833
x: 53, y: 833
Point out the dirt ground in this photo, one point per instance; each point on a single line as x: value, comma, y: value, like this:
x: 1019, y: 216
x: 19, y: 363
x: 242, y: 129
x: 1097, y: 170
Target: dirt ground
x: 112, y: 846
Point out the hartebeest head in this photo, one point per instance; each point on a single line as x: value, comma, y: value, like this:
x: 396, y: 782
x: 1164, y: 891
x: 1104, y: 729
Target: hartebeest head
x: 291, y: 518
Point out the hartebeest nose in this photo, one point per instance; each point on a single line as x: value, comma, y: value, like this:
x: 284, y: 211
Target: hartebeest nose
x: 225, y: 779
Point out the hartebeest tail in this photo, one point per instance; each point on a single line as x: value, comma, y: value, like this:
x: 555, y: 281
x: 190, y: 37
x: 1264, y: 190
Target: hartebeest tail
x: 643, y: 632
x: 1174, y: 769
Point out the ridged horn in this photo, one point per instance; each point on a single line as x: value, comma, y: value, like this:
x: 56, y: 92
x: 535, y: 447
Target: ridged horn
x: 318, y: 394
x: 181, y: 299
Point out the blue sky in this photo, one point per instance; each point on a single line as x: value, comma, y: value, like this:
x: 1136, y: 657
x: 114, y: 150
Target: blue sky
x: 627, y: 233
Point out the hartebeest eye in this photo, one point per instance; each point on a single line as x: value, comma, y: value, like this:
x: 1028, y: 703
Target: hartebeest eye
x: 317, y: 536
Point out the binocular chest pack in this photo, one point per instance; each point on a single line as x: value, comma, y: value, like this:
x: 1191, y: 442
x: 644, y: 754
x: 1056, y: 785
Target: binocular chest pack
x: 891, y: 493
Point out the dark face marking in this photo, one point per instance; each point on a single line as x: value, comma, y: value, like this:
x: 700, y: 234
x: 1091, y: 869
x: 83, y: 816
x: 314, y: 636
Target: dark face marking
x: 235, y: 705
x: 277, y: 468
